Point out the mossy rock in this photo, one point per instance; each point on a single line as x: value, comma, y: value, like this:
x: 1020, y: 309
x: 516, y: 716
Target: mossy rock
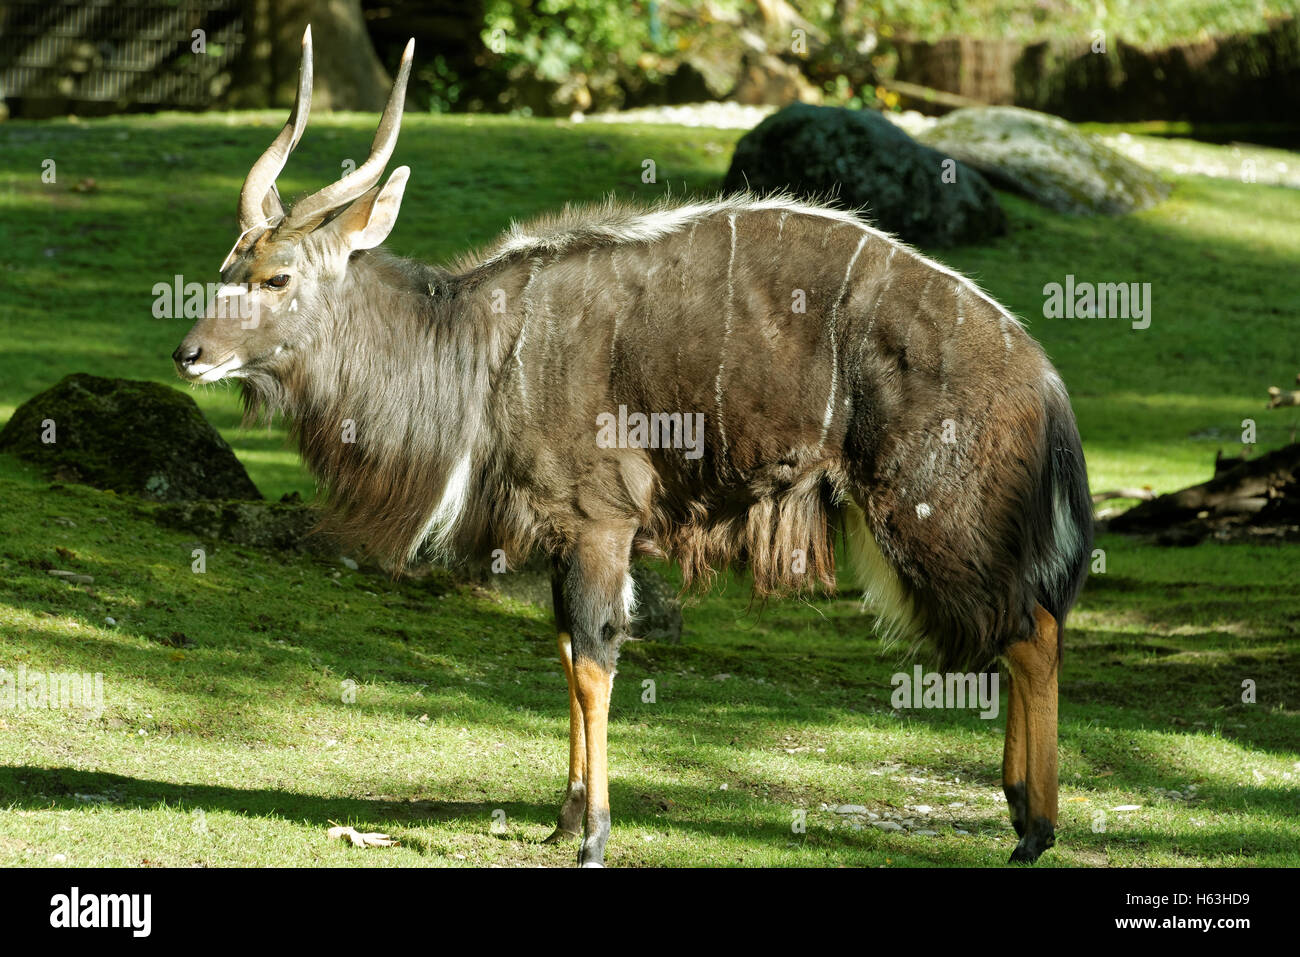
x: 1047, y: 159
x: 285, y: 525
x: 866, y: 162
x: 138, y: 438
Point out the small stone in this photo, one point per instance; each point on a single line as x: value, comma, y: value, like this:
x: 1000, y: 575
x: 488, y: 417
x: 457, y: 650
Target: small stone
x: 1127, y: 807
x: 850, y: 809
x: 887, y: 825
x: 925, y: 833
x: 59, y: 859
x: 922, y: 808
x: 110, y: 620
x: 349, y: 563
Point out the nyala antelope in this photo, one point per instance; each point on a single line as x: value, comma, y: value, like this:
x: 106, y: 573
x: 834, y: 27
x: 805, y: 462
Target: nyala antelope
x: 901, y: 407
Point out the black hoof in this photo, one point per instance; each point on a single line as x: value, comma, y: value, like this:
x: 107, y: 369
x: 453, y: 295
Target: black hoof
x: 592, y: 853
x: 569, y: 824
x: 560, y: 836
x: 1041, y: 836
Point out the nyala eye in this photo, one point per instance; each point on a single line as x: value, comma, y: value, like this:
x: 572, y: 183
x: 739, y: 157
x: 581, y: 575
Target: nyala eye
x: 277, y: 282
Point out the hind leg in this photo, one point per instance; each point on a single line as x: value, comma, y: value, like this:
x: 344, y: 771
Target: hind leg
x: 1034, y: 687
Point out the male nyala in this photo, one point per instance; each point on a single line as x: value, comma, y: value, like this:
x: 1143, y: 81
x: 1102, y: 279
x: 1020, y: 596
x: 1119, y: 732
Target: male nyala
x: 902, y: 406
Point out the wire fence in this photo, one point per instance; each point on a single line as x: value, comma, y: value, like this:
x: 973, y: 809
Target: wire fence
x: 114, y: 55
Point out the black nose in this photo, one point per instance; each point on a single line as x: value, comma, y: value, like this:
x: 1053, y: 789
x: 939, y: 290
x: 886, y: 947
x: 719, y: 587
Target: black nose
x: 185, y: 355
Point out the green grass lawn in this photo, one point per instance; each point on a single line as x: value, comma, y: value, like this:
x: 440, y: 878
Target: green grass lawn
x: 226, y: 737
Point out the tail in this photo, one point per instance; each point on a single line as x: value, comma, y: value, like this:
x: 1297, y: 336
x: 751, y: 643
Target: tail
x: 1059, y: 543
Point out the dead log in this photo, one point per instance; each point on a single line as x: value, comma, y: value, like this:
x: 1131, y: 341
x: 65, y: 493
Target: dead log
x: 1251, y: 488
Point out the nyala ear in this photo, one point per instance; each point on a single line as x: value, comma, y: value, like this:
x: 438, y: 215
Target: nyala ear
x: 272, y: 207
x: 368, y: 221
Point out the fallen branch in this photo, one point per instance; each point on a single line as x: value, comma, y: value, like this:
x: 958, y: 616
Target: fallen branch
x: 939, y: 101
x: 1277, y: 398
x: 1143, y: 494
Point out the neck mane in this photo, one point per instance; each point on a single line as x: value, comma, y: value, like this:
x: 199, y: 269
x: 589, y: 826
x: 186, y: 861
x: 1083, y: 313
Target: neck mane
x: 388, y: 405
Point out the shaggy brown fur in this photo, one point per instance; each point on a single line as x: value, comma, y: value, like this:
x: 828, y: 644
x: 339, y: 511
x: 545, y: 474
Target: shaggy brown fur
x: 506, y: 362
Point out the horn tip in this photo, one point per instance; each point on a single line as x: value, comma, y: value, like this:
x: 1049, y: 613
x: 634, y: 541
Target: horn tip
x: 306, y: 36
x: 410, y: 49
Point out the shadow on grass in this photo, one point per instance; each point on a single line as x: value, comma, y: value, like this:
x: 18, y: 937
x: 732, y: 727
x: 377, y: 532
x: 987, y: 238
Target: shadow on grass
x: 635, y: 807
x: 38, y: 788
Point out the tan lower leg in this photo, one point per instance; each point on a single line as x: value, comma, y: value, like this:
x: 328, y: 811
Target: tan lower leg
x: 593, y: 684
x: 1015, y: 756
x: 577, y: 737
x: 1034, y: 664
x: 575, y: 795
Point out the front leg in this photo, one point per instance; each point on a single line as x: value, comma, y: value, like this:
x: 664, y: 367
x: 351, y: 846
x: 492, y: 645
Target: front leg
x: 569, y: 824
x: 599, y: 597
x: 594, y: 686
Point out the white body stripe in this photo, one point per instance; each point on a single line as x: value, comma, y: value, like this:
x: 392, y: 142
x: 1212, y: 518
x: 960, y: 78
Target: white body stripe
x: 527, y: 304
x: 726, y: 331
x: 835, y: 348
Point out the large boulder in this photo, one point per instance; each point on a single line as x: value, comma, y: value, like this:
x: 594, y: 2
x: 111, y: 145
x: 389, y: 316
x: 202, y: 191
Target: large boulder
x: 134, y: 437
x: 866, y: 162
x: 1047, y: 159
